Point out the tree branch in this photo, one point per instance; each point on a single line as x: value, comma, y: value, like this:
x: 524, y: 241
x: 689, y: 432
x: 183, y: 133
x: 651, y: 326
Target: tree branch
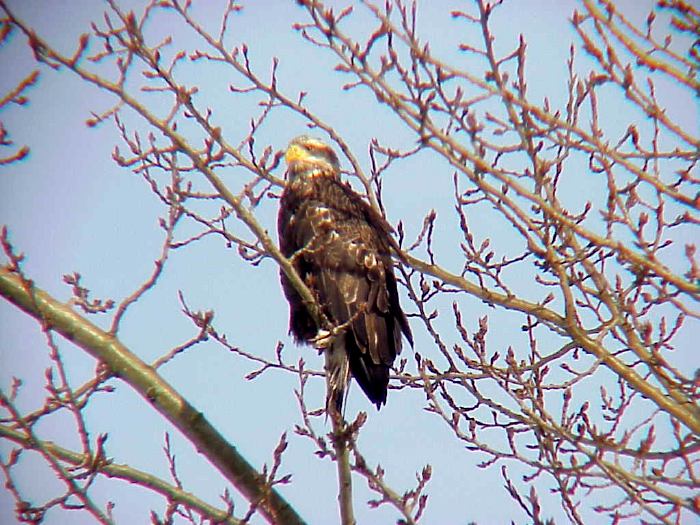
x: 125, y: 473
x: 154, y: 389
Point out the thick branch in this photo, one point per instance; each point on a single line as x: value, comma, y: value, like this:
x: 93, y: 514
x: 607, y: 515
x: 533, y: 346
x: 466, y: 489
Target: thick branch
x: 154, y: 389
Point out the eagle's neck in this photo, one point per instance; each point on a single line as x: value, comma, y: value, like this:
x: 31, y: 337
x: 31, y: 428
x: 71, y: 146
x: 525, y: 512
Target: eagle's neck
x: 307, y: 180
x: 312, y: 168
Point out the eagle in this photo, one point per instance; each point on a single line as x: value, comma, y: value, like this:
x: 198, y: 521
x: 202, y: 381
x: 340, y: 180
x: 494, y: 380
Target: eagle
x: 341, y: 248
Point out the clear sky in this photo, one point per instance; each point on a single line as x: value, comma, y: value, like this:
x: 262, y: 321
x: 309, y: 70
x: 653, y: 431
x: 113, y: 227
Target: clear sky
x: 69, y: 208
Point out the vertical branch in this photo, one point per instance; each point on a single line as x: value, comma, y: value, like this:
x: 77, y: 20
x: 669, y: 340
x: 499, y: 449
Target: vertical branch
x: 341, y: 434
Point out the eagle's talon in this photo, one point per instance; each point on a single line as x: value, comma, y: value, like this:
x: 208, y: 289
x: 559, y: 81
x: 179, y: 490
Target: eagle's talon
x: 323, y: 340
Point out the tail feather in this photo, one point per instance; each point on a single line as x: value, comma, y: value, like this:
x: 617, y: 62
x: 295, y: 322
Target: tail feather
x: 373, y: 378
x: 337, y: 375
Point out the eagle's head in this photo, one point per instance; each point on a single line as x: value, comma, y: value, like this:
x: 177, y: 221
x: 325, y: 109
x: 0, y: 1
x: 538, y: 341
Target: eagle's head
x: 306, y: 153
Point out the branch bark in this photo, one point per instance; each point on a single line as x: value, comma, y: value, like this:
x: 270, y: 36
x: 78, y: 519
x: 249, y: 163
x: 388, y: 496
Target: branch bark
x: 342, y: 460
x: 164, y: 398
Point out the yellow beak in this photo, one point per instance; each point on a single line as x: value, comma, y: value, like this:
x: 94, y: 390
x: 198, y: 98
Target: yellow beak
x: 295, y: 153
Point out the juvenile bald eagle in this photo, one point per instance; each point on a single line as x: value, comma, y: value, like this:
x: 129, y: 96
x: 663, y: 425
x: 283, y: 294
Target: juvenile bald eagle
x: 340, y: 247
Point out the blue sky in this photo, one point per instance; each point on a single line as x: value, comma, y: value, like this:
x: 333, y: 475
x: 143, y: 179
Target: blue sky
x: 69, y: 208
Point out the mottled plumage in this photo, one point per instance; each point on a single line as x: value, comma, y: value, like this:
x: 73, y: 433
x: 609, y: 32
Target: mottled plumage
x: 340, y: 247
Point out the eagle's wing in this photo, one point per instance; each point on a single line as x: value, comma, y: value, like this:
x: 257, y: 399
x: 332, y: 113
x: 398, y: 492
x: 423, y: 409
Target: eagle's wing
x: 295, y: 232
x: 353, y: 282
x: 372, y: 247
